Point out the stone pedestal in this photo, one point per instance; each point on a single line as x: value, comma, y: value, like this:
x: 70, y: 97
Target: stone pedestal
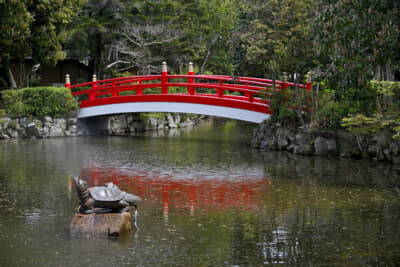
x: 101, y: 225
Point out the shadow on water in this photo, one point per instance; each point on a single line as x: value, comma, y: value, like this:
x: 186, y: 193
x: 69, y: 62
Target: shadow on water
x: 210, y: 200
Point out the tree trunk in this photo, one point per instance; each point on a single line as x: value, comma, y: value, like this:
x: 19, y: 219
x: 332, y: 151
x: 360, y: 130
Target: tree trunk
x: 312, y: 101
x: 6, y: 75
x: 273, y: 82
x: 203, y: 66
x: 97, y: 56
x: 12, y: 80
x: 299, y: 104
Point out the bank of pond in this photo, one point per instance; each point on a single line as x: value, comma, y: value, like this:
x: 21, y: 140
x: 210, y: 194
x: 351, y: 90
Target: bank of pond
x: 380, y: 146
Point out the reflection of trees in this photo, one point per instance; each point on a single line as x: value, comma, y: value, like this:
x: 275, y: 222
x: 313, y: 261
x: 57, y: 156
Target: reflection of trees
x: 35, y: 180
x: 309, y: 224
x: 340, y: 171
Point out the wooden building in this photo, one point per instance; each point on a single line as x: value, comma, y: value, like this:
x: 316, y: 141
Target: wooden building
x: 27, y: 74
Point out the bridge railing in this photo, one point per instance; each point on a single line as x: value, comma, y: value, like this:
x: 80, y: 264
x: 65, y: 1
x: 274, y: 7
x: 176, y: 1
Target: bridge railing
x: 247, y: 89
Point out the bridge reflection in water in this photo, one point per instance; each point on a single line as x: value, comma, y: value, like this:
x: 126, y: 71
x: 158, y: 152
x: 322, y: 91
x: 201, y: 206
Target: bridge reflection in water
x: 202, y: 194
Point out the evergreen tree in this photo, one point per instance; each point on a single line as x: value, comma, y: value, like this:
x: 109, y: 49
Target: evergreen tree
x: 34, y: 28
x: 353, y: 39
x: 93, y: 32
x: 272, y: 37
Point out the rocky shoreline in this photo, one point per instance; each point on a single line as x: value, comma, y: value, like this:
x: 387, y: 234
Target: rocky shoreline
x: 124, y: 124
x: 308, y: 141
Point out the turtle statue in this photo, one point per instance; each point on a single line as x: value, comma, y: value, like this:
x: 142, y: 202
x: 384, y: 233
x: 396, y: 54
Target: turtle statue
x: 107, y: 198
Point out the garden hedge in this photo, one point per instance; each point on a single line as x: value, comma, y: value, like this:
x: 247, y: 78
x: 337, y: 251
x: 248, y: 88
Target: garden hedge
x: 38, y: 102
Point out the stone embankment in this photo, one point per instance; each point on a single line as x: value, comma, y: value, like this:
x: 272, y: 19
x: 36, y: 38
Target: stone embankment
x: 124, y: 124
x: 273, y: 136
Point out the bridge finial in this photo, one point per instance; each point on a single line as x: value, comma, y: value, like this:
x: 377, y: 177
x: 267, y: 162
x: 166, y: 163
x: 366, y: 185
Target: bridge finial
x: 67, y: 79
x: 164, y: 67
x: 284, y: 77
x: 191, y: 67
x: 94, y: 78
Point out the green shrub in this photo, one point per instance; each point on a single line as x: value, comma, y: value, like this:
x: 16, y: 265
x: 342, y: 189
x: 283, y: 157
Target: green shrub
x: 361, y: 125
x: 2, y: 113
x: 330, y: 116
x: 283, y: 107
x: 39, y: 102
x: 388, y: 95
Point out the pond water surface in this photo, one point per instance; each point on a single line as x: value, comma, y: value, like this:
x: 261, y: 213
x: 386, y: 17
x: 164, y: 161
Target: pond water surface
x: 209, y: 200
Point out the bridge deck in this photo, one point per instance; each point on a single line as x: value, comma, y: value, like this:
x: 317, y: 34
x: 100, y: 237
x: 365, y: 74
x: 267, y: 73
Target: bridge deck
x: 212, y: 106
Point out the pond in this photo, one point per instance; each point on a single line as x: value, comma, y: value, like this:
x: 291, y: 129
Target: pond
x: 209, y: 200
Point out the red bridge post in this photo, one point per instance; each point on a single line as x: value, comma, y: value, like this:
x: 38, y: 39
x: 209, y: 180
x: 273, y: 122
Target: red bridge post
x: 309, y: 80
x: 191, y: 89
x: 114, y: 91
x: 284, y: 81
x: 67, y: 81
x: 92, y: 94
x: 139, y: 90
x: 164, y: 78
x: 220, y: 91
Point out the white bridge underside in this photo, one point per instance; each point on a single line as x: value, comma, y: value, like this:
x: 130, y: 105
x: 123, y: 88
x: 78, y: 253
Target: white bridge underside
x: 202, y: 109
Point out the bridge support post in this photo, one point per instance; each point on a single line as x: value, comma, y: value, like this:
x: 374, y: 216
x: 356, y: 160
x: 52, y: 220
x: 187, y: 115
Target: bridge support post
x: 249, y: 95
x: 139, y: 89
x: 191, y: 89
x: 284, y: 80
x: 67, y: 81
x: 164, y: 78
x: 114, y: 92
x: 92, y: 94
x: 220, y: 91
x: 309, y: 80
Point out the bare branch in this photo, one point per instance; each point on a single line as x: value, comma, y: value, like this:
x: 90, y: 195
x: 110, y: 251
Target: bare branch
x: 117, y: 62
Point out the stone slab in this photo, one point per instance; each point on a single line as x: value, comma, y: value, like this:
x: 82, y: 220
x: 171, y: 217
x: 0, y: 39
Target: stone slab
x: 101, y: 225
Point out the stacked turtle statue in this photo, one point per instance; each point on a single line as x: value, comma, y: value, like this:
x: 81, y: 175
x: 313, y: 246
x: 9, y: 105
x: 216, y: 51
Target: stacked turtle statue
x: 104, y: 199
x: 103, y: 211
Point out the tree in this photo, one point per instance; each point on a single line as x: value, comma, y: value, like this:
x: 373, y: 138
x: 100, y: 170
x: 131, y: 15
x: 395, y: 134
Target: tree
x: 14, y: 30
x: 138, y: 43
x: 177, y: 31
x: 34, y: 28
x: 273, y: 36
x: 354, y: 38
x: 276, y: 38
x: 146, y: 36
x: 208, y: 33
x: 93, y: 32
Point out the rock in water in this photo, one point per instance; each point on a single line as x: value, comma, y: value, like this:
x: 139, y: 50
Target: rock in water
x: 101, y: 224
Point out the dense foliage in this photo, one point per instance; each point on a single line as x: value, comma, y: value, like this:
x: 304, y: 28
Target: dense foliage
x: 272, y: 37
x: 354, y: 39
x: 35, y: 29
x: 355, y: 42
x: 39, y: 102
x: 141, y: 34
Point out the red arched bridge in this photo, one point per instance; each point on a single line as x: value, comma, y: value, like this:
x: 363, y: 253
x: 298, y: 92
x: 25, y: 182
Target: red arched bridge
x: 241, y: 98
